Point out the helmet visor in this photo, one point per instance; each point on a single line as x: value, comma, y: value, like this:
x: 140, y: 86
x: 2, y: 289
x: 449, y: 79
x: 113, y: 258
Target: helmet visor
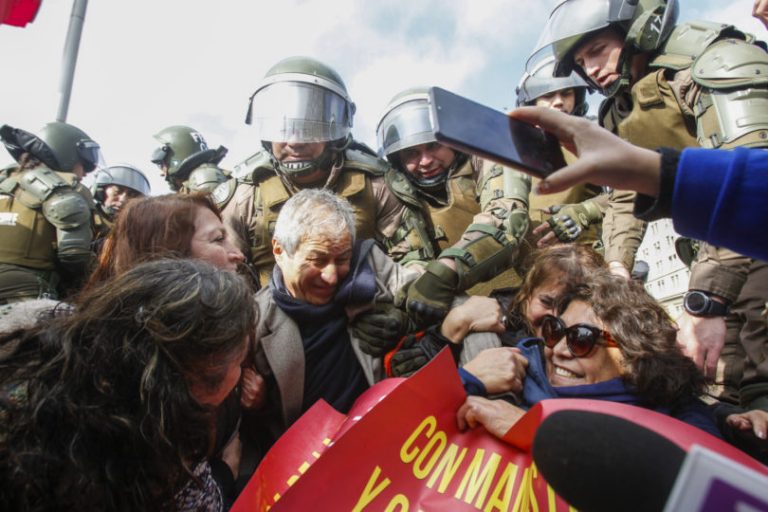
x: 89, y: 153
x: 125, y: 177
x: 567, y: 24
x: 300, y: 112
x: 408, y: 124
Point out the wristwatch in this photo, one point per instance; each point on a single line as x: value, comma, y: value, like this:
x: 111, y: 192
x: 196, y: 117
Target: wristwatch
x: 700, y: 304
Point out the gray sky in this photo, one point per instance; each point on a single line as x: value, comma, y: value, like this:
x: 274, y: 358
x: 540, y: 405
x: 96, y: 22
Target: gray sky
x: 148, y: 64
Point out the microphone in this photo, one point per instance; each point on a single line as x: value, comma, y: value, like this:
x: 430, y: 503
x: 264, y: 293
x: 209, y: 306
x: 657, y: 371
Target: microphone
x: 601, y: 462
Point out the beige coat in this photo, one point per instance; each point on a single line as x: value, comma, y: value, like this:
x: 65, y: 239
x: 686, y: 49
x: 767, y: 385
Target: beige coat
x: 278, y: 349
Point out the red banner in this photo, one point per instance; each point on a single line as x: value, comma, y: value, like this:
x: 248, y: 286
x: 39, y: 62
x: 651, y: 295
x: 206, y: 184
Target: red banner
x: 400, y: 449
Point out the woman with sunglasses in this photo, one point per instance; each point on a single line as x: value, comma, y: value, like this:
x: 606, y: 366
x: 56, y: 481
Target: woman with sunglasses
x: 610, y: 341
x: 513, y: 314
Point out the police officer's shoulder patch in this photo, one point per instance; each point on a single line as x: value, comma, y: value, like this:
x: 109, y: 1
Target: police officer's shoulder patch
x: 8, y: 218
x: 224, y: 192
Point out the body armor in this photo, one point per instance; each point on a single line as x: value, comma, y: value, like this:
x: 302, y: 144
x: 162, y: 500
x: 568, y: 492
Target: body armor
x: 45, y: 227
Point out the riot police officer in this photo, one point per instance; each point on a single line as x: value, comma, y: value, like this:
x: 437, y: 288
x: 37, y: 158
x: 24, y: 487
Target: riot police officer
x: 575, y: 214
x: 666, y: 85
x: 112, y: 187
x: 303, y: 115
x: 45, y: 213
x: 186, y: 162
x: 475, y: 211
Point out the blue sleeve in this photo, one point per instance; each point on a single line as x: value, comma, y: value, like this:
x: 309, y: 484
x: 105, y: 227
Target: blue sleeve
x: 472, y: 385
x: 721, y: 196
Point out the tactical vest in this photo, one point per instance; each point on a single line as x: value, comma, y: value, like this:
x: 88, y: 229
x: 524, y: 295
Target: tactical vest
x: 425, y: 229
x: 353, y: 184
x: 451, y: 220
x: 656, y: 116
x: 28, y: 239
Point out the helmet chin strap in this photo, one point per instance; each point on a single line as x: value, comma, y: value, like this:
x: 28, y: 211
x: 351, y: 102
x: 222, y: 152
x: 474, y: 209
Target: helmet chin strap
x: 625, y: 77
x: 435, y: 186
x: 301, y: 169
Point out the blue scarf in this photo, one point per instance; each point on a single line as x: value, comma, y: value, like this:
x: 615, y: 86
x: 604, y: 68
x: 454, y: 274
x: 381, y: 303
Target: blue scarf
x: 332, y: 371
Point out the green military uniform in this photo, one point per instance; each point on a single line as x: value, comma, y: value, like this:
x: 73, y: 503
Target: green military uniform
x: 102, y: 226
x: 474, y: 196
x: 574, y: 195
x: 250, y: 205
x: 45, y: 225
x: 580, y: 209
x: 672, y: 106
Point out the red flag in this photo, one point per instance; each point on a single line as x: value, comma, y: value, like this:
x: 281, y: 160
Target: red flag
x: 18, y: 12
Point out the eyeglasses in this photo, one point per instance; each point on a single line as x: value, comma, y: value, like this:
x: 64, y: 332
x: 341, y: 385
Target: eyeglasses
x: 580, y: 338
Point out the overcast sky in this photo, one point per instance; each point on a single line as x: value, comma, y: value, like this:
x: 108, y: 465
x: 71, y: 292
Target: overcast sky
x: 148, y: 64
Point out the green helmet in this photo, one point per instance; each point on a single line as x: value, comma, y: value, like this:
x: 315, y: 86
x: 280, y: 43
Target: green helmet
x: 645, y: 24
x: 183, y: 150
x: 542, y: 81
x: 60, y: 146
x: 302, y: 100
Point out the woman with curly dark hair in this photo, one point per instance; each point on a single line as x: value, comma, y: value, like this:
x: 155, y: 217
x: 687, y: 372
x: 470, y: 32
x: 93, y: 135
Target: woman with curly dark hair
x: 111, y: 407
x: 611, y: 341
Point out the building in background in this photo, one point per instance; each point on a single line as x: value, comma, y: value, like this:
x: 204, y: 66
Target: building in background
x: 667, y: 276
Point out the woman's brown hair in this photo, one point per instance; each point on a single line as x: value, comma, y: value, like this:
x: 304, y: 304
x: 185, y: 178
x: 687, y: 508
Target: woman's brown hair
x: 568, y: 264
x: 150, y: 228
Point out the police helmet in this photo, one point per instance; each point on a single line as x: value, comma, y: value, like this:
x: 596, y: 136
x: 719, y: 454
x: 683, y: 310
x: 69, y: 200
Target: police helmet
x: 302, y: 100
x: 645, y: 25
x: 60, y: 146
x: 541, y: 82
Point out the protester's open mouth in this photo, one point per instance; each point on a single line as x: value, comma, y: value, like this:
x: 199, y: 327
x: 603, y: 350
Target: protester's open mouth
x: 566, y: 373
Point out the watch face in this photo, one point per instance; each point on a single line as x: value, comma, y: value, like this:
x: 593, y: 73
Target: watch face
x: 696, y: 302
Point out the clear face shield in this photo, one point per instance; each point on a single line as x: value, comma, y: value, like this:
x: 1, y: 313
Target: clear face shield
x: 567, y: 24
x: 543, y: 82
x: 407, y: 124
x: 301, y: 112
x: 125, y: 177
x: 89, y: 153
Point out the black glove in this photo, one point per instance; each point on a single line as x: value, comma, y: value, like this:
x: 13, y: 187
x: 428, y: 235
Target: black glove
x: 419, y: 349
x: 380, y: 329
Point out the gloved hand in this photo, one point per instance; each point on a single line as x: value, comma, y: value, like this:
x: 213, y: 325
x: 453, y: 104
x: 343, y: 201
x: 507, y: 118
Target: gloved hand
x: 381, y: 328
x: 416, y: 351
x: 430, y: 296
x: 569, y: 220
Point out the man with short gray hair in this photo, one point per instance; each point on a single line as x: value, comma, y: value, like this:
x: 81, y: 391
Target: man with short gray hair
x: 323, y: 279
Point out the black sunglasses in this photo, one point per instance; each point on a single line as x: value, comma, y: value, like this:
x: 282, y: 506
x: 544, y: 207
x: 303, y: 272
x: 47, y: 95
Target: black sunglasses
x: 580, y: 338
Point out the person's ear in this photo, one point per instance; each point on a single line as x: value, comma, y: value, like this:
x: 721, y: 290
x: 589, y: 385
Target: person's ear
x: 277, y: 249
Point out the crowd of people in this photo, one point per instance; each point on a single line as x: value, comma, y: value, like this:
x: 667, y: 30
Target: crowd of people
x: 153, y: 348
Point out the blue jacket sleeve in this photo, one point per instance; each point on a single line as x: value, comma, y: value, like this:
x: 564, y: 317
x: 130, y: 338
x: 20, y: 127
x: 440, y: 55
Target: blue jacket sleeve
x: 721, y: 197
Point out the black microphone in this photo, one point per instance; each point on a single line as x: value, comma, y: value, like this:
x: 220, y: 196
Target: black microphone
x: 601, y: 462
